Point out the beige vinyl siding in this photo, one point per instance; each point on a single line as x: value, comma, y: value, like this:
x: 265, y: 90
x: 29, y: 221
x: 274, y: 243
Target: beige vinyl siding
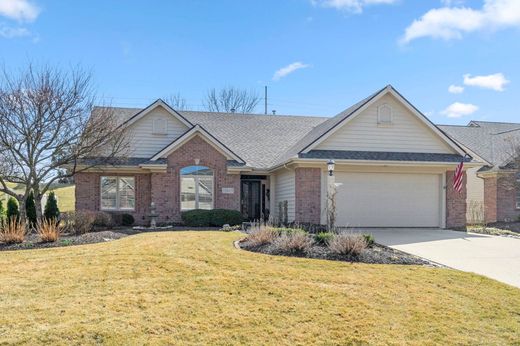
x: 285, y: 191
x: 475, y: 196
x: 143, y: 143
x: 406, y: 133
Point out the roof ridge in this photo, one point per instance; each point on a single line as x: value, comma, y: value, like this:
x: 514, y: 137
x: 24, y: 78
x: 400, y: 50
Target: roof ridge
x: 258, y: 114
x: 493, y: 122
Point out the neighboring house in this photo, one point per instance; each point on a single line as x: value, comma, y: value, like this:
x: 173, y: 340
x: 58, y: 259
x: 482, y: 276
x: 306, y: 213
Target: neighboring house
x: 493, y: 188
x: 394, y: 167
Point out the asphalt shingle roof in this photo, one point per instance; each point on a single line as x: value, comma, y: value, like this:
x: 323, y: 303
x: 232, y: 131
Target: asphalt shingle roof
x: 381, y: 156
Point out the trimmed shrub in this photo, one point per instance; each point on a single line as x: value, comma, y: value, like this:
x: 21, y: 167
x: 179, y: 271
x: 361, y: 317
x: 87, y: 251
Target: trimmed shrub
x: 103, y: 220
x: 12, y: 209
x: 347, y: 244
x: 83, y: 221
x: 51, y: 210
x: 323, y: 238
x: 293, y: 243
x: 213, y: 217
x: 127, y: 220
x: 49, y: 230
x: 369, y: 239
x: 12, y: 231
x: 262, y: 236
x: 30, y: 209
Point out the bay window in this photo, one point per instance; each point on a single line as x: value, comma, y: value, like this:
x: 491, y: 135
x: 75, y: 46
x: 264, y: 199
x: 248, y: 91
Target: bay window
x: 196, y: 188
x: 117, y: 193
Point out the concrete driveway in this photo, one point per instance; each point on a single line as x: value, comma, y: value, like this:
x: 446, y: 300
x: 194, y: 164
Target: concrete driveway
x: 491, y: 256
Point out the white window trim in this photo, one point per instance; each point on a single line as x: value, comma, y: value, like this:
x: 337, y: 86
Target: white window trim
x: 385, y: 123
x: 117, y: 208
x: 196, y: 178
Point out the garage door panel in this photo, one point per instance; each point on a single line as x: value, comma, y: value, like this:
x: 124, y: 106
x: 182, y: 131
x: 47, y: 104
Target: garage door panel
x: 388, y: 200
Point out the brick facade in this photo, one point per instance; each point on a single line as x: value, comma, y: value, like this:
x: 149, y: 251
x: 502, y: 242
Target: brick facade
x: 163, y: 188
x: 88, y: 193
x: 455, y: 203
x: 500, y: 197
x: 308, y: 195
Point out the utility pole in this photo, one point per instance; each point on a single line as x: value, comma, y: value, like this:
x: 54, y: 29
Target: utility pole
x: 265, y: 99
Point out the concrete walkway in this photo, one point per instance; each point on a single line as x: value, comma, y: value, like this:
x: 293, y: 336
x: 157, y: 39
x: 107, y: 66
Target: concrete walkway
x: 492, y: 256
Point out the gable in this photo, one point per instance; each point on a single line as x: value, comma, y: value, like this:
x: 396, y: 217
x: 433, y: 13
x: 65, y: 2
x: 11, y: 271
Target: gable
x: 145, y: 141
x: 368, y: 131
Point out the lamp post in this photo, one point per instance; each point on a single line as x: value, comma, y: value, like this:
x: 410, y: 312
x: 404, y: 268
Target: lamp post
x: 330, y: 167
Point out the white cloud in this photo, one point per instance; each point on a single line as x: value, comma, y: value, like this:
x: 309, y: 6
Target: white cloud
x: 495, y: 81
x: 452, y: 22
x: 456, y: 89
x: 355, y: 6
x: 9, y: 32
x: 284, y: 71
x: 457, y: 110
x: 19, y: 9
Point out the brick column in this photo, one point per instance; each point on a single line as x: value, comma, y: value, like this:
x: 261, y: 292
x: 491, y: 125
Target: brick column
x: 308, y: 195
x: 455, y: 202
x: 490, y: 199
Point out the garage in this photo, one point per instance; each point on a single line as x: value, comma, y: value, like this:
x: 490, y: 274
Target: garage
x: 389, y: 199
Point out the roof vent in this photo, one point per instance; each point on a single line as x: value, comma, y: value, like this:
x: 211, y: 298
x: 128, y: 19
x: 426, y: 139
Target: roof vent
x: 274, y: 111
x: 233, y: 110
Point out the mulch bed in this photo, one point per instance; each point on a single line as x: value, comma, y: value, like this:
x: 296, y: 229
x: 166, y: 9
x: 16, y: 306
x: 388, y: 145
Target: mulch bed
x: 510, y: 226
x: 32, y: 241
x: 376, y: 254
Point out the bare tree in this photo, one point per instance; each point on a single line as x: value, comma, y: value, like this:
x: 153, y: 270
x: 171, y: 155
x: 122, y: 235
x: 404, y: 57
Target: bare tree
x: 47, y: 132
x: 230, y: 99
x: 177, y: 102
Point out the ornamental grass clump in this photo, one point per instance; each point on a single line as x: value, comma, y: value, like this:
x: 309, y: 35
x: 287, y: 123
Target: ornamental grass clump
x: 49, y: 230
x: 12, y: 231
x: 347, y: 244
x: 293, y: 243
x: 262, y: 236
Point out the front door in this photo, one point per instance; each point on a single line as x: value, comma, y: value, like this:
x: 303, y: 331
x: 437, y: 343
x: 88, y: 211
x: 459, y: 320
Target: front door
x: 250, y: 200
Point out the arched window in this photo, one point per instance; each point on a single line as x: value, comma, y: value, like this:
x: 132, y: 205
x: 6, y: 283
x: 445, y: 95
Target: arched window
x: 196, y: 188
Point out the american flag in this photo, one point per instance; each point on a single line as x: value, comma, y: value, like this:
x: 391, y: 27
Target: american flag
x: 457, y: 179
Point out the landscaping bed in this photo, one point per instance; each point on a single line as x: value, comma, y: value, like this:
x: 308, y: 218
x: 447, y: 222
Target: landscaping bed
x: 509, y: 229
x: 314, y: 246
x: 33, y: 241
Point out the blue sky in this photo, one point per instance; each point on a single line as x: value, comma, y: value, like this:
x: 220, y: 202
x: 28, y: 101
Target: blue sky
x: 329, y: 53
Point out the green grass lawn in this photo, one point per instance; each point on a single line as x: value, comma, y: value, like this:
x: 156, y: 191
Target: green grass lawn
x: 196, y: 288
x: 64, y: 193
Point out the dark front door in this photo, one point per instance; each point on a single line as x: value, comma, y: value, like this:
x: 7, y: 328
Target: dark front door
x: 250, y: 199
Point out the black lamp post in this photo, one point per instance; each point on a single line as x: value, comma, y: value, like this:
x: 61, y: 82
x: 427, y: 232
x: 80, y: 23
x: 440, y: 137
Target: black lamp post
x: 330, y: 167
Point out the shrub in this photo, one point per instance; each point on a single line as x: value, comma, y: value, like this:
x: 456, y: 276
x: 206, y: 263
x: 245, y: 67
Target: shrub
x: 214, y: 217
x: 369, y: 239
x: 262, y: 236
x: 12, y: 231
x: 2, y: 212
x: 347, y: 244
x: 30, y: 209
x: 127, y: 220
x: 103, y: 219
x: 12, y: 209
x: 323, y: 238
x: 287, y: 230
x: 51, y: 211
x: 294, y: 242
x: 49, y: 230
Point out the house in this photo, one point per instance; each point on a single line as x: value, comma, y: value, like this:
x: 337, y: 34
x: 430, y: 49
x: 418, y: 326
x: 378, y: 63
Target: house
x: 394, y: 168
x: 494, y: 188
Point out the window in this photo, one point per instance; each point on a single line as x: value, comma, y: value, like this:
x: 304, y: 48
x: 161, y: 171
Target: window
x: 117, y: 193
x: 518, y: 190
x: 159, y: 127
x: 384, y: 115
x: 196, y: 188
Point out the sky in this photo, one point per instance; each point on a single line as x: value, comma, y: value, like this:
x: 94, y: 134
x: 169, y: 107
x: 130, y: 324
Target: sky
x: 455, y: 60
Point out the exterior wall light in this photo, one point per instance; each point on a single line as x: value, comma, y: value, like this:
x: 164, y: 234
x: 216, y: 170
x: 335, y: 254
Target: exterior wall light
x: 330, y: 167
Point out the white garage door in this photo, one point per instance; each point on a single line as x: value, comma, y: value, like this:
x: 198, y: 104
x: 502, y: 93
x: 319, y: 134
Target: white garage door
x: 388, y: 200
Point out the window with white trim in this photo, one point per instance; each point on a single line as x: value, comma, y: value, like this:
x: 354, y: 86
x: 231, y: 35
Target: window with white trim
x: 160, y: 127
x: 384, y: 115
x: 518, y: 190
x: 196, y: 188
x: 117, y: 193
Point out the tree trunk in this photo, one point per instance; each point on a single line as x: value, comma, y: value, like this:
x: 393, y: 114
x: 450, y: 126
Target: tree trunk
x: 38, y: 205
x: 22, y: 211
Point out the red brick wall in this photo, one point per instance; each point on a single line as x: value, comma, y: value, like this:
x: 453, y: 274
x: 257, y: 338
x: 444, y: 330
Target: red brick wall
x: 88, y: 193
x: 308, y: 195
x: 165, y: 186
x: 500, y: 198
x: 455, y: 203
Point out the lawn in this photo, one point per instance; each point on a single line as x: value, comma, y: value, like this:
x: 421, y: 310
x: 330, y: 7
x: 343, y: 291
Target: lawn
x: 64, y: 194
x: 196, y: 288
